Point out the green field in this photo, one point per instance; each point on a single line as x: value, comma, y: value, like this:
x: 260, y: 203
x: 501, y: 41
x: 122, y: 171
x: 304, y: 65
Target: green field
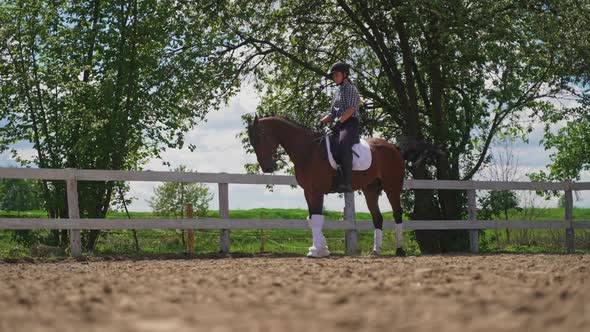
x: 122, y: 242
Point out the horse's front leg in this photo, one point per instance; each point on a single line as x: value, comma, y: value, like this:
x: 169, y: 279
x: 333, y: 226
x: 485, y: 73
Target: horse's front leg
x: 371, y: 194
x: 315, y: 204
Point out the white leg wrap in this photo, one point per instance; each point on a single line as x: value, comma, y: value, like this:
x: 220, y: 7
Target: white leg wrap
x: 399, y: 233
x: 377, y: 241
x: 320, y: 246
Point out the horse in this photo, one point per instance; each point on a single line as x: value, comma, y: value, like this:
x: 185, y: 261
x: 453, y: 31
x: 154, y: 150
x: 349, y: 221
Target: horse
x: 307, y: 150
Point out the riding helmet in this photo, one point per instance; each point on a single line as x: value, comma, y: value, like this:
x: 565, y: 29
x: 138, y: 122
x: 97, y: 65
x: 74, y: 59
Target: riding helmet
x: 342, y: 67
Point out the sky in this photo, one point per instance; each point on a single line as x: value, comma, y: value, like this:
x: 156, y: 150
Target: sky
x: 218, y: 149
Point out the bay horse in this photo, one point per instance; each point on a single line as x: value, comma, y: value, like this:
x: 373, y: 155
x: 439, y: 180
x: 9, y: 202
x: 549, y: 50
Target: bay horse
x: 307, y: 150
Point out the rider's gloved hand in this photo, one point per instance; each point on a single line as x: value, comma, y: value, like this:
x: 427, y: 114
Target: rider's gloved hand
x: 337, y: 126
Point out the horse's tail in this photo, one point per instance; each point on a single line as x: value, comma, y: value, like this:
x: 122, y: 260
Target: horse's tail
x: 417, y: 150
x: 395, y: 201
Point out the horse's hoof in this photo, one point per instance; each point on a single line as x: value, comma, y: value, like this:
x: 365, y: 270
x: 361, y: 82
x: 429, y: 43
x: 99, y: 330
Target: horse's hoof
x: 314, y: 253
x: 400, y: 252
x: 375, y: 253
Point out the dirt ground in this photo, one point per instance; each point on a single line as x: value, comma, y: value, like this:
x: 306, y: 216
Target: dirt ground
x: 428, y: 293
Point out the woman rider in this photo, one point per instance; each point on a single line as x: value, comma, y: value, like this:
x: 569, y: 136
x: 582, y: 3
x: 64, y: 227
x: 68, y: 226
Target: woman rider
x: 345, y: 110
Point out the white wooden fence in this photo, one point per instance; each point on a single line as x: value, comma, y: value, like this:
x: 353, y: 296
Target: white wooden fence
x: 225, y: 224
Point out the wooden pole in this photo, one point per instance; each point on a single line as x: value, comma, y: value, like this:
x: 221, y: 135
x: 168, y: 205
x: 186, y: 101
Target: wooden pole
x: 224, y: 240
x: 351, y: 237
x: 190, y: 234
x: 73, y: 212
x: 262, y: 235
x: 569, y: 219
x: 472, y: 212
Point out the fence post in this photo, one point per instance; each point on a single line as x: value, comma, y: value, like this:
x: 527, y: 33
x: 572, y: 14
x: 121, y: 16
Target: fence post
x: 190, y: 233
x: 224, y: 242
x: 73, y: 212
x: 472, y: 212
x: 262, y: 240
x: 351, y: 236
x: 569, y: 218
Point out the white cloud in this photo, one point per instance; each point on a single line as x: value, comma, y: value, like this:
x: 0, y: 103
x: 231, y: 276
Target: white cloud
x: 531, y: 158
x: 25, y: 151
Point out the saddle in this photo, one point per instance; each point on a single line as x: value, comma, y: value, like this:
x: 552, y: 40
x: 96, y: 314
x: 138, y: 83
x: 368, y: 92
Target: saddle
x: 361, y: 154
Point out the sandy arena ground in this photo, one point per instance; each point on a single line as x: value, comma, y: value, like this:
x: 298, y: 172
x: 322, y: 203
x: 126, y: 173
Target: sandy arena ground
x: 430, y: 293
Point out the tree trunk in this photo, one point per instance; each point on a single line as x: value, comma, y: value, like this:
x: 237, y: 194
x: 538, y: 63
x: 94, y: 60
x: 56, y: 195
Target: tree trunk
x: 426, y: 209
x: 442, y: 205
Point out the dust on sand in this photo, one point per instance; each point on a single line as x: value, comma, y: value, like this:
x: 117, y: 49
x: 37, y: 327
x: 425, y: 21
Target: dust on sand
x: 269, y: 293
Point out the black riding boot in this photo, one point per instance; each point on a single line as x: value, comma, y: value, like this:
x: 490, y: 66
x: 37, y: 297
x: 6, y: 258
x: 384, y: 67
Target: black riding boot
x: 346, y: 164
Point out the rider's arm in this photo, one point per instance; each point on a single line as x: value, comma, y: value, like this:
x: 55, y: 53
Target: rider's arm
x: 352, y: 100
x: 347, y: 114
x: 326, y: 119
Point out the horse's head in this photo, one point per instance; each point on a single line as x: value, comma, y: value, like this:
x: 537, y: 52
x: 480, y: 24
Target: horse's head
x: 265, y: 145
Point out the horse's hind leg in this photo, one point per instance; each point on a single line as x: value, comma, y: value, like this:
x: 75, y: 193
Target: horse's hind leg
x: 394, y: 195
x: 372, y: 193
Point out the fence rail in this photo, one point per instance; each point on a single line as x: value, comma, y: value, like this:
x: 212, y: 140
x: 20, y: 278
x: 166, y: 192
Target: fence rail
x: 351, y: 226
x: 158, y: 176
x: 215, y: 223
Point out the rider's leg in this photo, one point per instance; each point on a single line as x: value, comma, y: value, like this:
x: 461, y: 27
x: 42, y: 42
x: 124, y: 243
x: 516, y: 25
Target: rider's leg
x: 348, y: 137
x: 346, y: 164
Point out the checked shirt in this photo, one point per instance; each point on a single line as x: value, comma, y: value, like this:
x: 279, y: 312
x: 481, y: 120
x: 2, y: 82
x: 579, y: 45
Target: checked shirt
x: 346, y: 96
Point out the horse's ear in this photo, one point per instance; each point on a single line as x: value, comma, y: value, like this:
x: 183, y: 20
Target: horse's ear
x: 255, y: 120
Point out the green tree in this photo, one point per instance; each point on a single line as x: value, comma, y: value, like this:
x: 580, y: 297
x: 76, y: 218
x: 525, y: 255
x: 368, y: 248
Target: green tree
x: 497, y: 204
x: 570, y: 142
x: 19, y: 195
x: 503, y: 166
x: 23, y: 195
x: 105, y: 85
x: 454, y: 72
x: 570, y: 145
x: 170, y: 198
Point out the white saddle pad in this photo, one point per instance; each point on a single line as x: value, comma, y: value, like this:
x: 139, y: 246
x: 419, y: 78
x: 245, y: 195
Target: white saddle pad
x: 360, y: 163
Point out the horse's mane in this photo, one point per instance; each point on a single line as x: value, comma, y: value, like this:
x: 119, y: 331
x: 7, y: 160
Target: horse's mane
x: 315, y: 131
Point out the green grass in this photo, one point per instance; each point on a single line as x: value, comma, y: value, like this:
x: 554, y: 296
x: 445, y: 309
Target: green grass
x: 290, y: 214
x: 116, y: 242
x: 235, y: 214
x: 551, y: 214
x: 123, y: 215
x: 23, y: 214
x: 249, y: 241
x: 245, y: 241
x: 6, y: 243
x: 540, y: 214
